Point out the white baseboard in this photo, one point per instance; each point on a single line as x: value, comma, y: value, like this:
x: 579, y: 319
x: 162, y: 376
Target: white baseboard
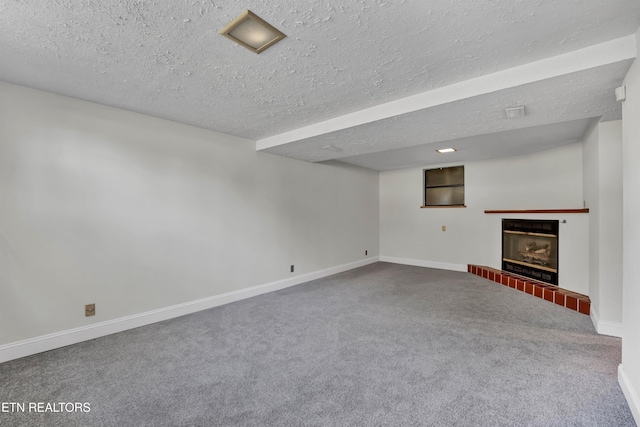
x: 612, y: 329
x: 424, y: 263
x: 594, y: 317
x: 629, y: 393
x: 604, y: 327
x: 48, y: 342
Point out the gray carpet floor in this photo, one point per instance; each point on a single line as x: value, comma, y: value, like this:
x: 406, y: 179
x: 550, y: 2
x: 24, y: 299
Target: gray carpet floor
x: 380, y: 345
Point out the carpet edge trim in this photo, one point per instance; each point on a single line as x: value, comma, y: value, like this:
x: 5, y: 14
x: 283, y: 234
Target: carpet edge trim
x: 31, y: 346
x: 629, y: 393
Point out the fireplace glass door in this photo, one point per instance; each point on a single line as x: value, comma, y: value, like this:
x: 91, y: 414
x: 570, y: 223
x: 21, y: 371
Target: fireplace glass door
x: 530, y: 248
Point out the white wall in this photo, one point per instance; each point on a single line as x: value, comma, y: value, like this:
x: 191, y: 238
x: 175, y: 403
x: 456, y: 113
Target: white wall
x: 602, y: 174
x: 550, y: 179
x: 134, y: 213
x: 611, y: 223
x: 591, y: 185
x: 629, y: 373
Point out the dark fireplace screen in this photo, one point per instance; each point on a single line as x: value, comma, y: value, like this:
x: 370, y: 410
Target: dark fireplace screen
x: 530, y: 248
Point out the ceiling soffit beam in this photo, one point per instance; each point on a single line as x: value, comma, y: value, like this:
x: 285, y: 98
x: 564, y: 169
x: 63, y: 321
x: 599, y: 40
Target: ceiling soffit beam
x: 610, y: 52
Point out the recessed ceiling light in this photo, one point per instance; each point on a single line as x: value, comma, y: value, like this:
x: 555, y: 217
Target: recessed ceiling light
x: 515, y: 112
x: 252, y: 32
x: 446, y: 150
x: 331, y: 148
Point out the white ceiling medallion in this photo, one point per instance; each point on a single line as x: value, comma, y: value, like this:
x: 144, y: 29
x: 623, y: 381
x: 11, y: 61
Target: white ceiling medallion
x: 252, y: 32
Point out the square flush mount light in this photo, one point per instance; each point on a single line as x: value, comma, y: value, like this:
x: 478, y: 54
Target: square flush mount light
x: 515, y: 112
x: 446, y: 150
x: 252, y: 32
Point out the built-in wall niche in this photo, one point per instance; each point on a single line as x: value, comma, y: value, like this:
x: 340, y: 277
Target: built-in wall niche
x: 530, y: 248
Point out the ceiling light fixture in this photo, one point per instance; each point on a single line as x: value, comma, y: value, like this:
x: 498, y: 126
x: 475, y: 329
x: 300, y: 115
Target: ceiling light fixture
x: 331, y: 148
x: 252, y: 32
x: 446, y: 150
x: 515, y: 112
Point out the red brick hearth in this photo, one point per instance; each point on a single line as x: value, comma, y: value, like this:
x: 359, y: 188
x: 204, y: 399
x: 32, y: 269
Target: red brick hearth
x: 551, y: 293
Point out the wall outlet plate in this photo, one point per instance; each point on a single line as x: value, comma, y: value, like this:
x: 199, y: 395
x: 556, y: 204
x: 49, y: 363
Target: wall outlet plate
x: 90, y: 310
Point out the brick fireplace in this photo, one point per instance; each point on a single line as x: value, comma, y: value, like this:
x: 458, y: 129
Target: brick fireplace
x: 553, y: 294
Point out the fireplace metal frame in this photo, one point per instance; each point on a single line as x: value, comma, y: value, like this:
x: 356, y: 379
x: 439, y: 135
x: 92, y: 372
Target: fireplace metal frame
x: 537, y: 227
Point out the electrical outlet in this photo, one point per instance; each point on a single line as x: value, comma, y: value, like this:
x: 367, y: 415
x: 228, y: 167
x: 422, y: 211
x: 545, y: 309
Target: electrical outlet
x: 444, y: 228
x: 90, y: 310
x: 292, y: 268
x: 366, y: 253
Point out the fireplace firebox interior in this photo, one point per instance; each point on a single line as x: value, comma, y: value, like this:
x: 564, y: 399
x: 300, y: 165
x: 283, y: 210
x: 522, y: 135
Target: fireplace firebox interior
x: 530, y: 248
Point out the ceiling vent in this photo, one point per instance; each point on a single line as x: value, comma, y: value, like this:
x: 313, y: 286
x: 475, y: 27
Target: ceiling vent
x: 514, y: 113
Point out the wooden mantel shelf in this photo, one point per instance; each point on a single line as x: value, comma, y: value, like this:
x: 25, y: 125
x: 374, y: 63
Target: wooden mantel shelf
x: 540, y: 211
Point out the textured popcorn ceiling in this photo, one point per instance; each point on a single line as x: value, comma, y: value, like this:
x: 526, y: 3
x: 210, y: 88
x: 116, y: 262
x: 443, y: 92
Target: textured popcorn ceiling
x: 501, y: 144
x: 166, y: 59
x: 574, y: 96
